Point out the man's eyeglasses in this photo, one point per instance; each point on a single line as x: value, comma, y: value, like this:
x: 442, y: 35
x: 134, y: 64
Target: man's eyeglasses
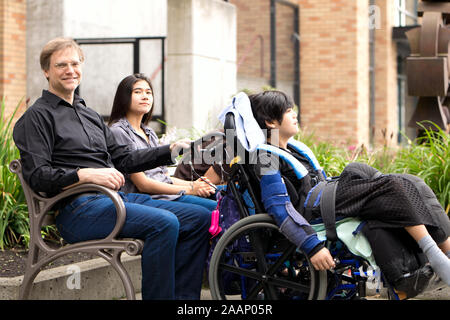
x: 64, y: 65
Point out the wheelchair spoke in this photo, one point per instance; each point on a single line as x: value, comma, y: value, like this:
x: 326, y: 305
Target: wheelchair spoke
x: 259, y: 243
x: 267, y: 281
x: 270, y: 283
x: 275, y: 267
x: 255, y: 261
x: 288, y: 284
x: 274, y: 283
x: 241, y: 271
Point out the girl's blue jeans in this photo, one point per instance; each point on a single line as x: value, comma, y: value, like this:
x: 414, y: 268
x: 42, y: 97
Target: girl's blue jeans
x: 204, y: 202
x: 175, y: 236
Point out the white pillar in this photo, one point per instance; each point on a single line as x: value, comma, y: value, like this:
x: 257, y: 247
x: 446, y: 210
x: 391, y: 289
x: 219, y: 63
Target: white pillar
x: 201, y: 61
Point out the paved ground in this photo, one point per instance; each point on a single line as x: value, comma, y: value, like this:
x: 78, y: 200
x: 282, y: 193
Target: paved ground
x: 205, y: 295
x: 442, y: 294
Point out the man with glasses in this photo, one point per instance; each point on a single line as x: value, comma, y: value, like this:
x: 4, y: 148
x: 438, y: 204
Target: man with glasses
x: 63, y: 143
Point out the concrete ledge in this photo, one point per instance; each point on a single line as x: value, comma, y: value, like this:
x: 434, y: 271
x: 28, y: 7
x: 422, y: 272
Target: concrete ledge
x: 88, y: 280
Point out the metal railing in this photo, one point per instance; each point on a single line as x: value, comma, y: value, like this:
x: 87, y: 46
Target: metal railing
x: 136, y: 43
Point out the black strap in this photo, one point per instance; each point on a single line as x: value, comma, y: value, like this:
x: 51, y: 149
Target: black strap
x: 327, y: 209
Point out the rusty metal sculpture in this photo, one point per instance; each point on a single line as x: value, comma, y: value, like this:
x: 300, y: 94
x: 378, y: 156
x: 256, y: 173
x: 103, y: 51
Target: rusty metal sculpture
x: 428, y: 66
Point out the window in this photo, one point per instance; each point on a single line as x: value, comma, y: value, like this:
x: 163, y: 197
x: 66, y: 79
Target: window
x: 405, y: 13
x: 404, y: 17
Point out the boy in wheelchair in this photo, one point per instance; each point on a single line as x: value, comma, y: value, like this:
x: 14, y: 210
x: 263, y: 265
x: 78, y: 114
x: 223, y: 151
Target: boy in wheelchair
x: 390, y: 205
x: 382, y: 200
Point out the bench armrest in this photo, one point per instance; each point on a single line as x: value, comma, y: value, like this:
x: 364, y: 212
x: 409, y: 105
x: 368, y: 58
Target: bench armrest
x: 38, y: 205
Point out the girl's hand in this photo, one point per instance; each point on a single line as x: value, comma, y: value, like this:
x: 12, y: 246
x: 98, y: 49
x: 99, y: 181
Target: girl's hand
x: 201, y: 188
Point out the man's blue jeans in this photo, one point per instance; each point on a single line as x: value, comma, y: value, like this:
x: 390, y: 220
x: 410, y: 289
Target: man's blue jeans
x: 175, y: 238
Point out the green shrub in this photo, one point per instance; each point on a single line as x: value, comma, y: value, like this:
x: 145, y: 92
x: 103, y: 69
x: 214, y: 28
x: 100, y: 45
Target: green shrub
x: 13, y: 209
x: 428, y: 158
x: 14, y: 221
x: 332, y: 158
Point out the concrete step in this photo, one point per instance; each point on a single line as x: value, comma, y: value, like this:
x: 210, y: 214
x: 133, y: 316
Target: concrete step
x: 88, y: 280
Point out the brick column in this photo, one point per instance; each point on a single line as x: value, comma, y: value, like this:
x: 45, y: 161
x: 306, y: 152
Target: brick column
x: 13, y: 53
x: 386, y: 113
x: 334, y: 66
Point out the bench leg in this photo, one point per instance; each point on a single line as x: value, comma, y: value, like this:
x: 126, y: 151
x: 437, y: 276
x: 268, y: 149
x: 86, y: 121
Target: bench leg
x: 116, y: 263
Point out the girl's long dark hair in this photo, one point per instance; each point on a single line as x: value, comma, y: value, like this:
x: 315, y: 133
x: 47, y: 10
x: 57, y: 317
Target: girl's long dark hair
x: 122, y: 99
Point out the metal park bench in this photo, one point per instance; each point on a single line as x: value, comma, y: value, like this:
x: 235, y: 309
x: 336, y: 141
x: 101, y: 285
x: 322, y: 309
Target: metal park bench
x: 41, y: 254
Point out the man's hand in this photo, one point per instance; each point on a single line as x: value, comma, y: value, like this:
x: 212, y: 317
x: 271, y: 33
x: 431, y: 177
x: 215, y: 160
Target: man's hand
x: 107, y: 177
x: 323, y: 260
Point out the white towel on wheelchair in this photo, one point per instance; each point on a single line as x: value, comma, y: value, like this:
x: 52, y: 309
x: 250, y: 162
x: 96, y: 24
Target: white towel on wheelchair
x: 248, y: 131
x: 356, y: 242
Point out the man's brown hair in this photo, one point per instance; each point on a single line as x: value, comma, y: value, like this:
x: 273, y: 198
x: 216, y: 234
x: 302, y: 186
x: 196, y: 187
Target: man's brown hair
x: 56, y: 45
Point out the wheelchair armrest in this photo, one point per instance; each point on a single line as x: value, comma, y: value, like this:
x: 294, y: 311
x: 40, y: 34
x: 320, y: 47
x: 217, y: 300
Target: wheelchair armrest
x: 197, y: 149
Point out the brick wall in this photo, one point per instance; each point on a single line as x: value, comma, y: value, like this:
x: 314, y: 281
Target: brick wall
x: 334, y: 56
x: 253, y: 23
x: 285, y: 44
x: 253, y: 44
x: 386, y: 113
x: 13, y: 53
x: 334, y: 64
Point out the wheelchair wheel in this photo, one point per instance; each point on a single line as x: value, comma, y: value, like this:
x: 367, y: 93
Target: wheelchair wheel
x: 253, y: 260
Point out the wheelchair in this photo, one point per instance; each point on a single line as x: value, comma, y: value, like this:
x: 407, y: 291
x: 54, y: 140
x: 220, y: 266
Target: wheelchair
x: 252, y: 260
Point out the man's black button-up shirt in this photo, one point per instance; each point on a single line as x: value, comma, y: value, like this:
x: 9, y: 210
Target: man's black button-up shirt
x: 55, y: 139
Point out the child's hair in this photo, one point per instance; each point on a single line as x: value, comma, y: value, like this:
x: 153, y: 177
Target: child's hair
x: 269, y: 106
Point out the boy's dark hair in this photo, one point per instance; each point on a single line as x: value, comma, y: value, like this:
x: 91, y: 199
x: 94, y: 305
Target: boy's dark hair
x: 269, y: 106
x: 122, y: 99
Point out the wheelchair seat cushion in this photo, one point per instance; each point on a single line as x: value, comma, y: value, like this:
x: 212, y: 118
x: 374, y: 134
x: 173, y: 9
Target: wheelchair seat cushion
x: 348, y: 231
